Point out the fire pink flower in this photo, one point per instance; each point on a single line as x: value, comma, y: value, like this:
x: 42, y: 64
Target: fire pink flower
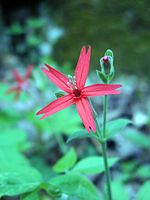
x: 21, y: 82
x: 76, y: 91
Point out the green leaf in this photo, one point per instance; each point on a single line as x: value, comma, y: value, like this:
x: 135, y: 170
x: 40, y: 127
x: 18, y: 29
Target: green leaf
x: 17, y: 180
x: 115, y: 126
x: 93, y: 165
x: 76, y: 186
x: 40, y: 164
x: 66, y: 162
x: 70, y: 125
x: 137, y: 138
x: 31, y: 196
x: 101, y: 76
x: 80, y: 135
x: 54, y: 123
x: 144, y: 192
x: 16, y: 175
x: 52, y: 190
x: 15, y: 137
x: 118, y: 190
x: 143, y: 172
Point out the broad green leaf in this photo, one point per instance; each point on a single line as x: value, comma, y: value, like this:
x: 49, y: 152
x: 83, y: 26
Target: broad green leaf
x: 51, y: 190
x: 18, y: 180
x: 31, y: 196
x: 13, y: 136
x: 143, y: 172
x: 138, y: 138
x: 10, y: 155
x: 40, y: 164
x: 6, y: 119
x: 115, y: 126
x: 66, y: 162
x: 80, y: 135
x: 119, y: 191
x: 56, y: 123
x: 93, y: 165
x: 68, y: 126
x: 16, y: 175
x: 144, y: 192
x: 76, y: 186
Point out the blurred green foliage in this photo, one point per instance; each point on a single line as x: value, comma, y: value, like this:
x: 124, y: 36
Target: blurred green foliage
x: 65, y: 26
x: 123, y: 26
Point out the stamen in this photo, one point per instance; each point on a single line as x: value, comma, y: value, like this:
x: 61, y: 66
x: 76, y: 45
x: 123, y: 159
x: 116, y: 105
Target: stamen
x: 73, y: 87
x: 72, y: 79
x: 72, y: 82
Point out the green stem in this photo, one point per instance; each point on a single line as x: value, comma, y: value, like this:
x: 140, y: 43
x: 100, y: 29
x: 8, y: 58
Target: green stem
x: 107, y: 172
x: 104, y: 150
x: 105, y: 115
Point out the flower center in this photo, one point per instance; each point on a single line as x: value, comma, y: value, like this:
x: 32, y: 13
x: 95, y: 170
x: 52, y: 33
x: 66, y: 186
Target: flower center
x: 77, y: 92
x: 73, y: 86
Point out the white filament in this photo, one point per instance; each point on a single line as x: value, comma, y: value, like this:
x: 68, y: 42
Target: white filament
x: 72, y: 82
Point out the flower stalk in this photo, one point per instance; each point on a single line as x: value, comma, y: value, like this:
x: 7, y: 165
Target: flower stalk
x: 106, y: 75
x: 104, y: 149
x: 107, y: 172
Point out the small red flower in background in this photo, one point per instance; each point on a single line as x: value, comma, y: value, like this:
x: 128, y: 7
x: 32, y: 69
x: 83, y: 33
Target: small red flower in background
x: 76, y: 91
x: 21, y: 82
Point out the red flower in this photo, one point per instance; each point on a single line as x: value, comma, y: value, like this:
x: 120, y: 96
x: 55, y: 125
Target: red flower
x: 21, y: 82
x: 76, y: 91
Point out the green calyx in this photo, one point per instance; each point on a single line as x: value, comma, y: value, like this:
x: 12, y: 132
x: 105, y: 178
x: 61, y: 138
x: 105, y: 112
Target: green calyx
x: 59, y: 94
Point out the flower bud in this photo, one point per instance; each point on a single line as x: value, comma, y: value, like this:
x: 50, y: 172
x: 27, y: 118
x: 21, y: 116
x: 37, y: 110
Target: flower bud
x: 107, y: 69
x: 105, y: 59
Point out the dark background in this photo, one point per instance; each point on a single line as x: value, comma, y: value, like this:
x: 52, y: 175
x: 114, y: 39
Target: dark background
x: 123, y: 26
